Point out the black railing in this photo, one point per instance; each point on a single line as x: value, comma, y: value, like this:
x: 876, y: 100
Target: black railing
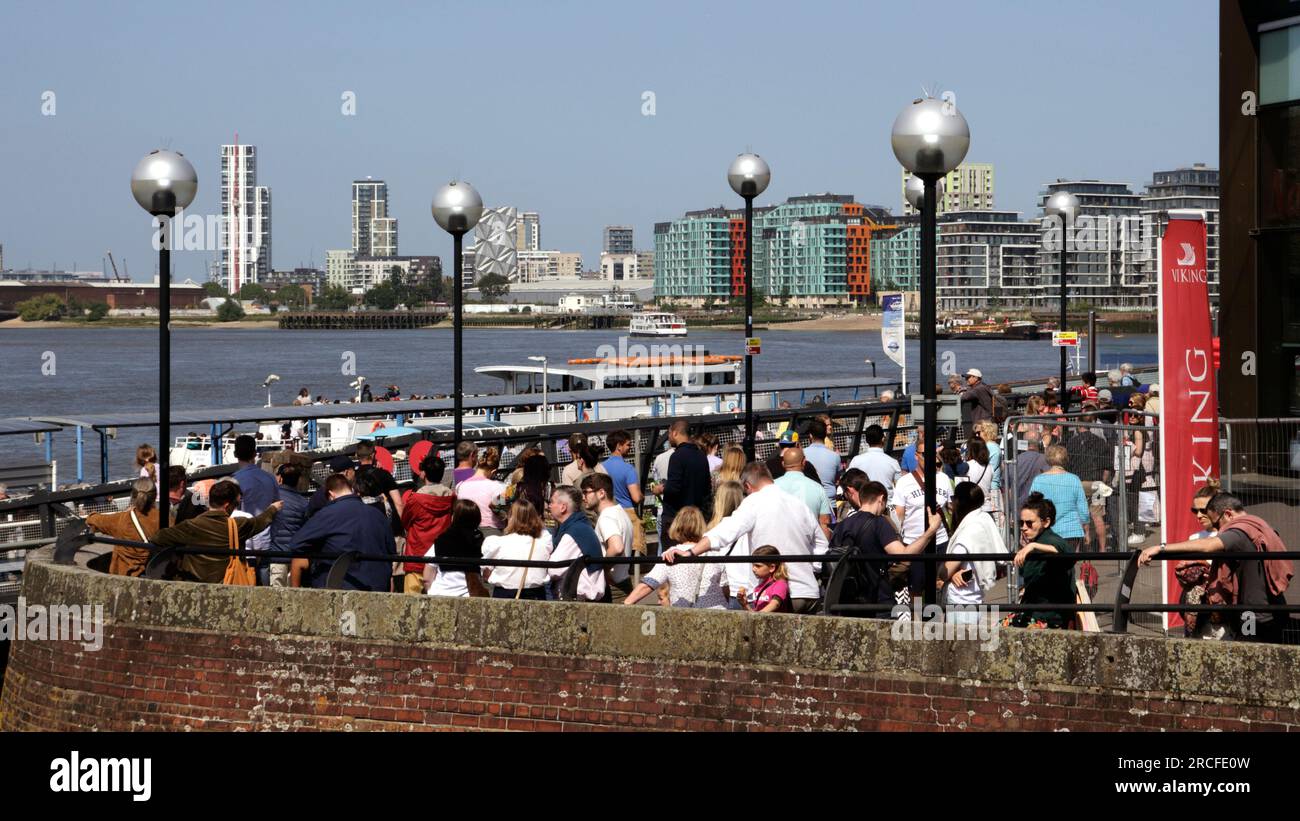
x: 74, y: 539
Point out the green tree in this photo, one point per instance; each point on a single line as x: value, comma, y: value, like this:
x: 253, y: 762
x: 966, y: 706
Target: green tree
x: 334, y: 298
x: 214, y: 289
x: 98, y: 310
x: 493, y: 287
x: 230, y: 311
x: 291, y: 296
x: 253, y: 291
x: 383, y: 296
x: 43, y: 307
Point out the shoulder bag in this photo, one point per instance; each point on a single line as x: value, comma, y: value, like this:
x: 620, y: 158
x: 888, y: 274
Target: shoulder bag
x: 238, y: 571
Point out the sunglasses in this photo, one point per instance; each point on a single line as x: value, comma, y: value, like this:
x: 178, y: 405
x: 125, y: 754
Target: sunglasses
x: 1027, y: 523
x: 1201, y: 511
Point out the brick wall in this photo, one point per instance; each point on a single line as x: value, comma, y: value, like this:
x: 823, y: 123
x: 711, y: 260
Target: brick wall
x: 179, y: 656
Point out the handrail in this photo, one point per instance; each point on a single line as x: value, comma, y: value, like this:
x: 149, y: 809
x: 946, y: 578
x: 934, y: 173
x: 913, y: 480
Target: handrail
x: 1120, y: 609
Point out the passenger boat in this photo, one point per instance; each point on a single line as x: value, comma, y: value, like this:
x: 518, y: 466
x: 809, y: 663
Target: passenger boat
x: 656, y: 324
x: 958, y: 328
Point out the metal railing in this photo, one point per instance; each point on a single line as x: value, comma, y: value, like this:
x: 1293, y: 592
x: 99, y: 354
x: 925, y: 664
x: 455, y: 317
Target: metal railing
x: 1121, y: 608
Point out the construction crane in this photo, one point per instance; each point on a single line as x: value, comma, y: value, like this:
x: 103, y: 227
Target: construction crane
x: 116, y: 276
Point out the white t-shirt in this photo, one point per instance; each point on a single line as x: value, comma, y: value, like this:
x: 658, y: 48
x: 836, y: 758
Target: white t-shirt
x: 982, y: 475
x: 448, y: 582
x: 515, y: 546
x: 909, y: 495
x: 614, y: 521
x: 971, y: 593
x: 690, y: 584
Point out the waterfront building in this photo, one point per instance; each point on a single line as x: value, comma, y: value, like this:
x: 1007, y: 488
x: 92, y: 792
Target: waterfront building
x: 367, y: 272
x: 1197, y: 188
x: 495, y: 248
x: 340, y: 267
x: 645, y: 264
x: 618, y: 240
x: 896, y: 257
x: 811, y: 250
x: 623, y: 266
x: 1259, y: 148
x: 528, y: 231
x: 968, y: 187
x: 986, y: 259
x: 245, y: 242
x: 1107, y: 253
x: 374, y: 230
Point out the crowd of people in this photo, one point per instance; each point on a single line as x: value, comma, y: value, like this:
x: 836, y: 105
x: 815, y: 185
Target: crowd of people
x: 803, y: 501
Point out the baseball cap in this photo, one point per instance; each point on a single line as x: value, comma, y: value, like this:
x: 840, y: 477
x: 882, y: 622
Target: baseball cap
x: 789, y: 439
x: 338, y: 464
x: 975, y: 372
x: 1154, y: 389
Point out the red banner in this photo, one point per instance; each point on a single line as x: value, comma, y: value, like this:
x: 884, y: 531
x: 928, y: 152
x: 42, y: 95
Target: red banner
x: 1189, y: 419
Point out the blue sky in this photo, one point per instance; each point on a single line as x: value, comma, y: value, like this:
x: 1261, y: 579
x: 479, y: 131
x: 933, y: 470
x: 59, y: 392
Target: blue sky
x: 539, y: 105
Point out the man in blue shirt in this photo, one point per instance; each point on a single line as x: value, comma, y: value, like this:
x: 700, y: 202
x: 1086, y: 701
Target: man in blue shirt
x: 908, y: 462
x: 256, y: 487
x: 627, y: 485
x: 828, y: 464
x: 345, y: 524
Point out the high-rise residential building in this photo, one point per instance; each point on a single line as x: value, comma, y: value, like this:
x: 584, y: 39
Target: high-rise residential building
x: 618, y: 240
x: 986, y: 259
x: 969, y: 187
x: 374, y: 230
x: 528, y: 231
x: 1196, y: 188
x: 534, y: 266
x: 367, y: 272
x: 245, y: 245
x: 896, y: 258
x: 1106, y: 250
x: 810, y: 250
x: 645, y: 264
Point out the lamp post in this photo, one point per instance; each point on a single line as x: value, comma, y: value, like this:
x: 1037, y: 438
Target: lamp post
x: 457, y: 208
x: 1063, y: 206
x: 270, y: 380
x: 545, y: 415
x: 748, y: 177
x: 930, y: 138
x: 164, y: 183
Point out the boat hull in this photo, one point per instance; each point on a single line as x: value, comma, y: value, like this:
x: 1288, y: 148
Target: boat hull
x: 680, y: 333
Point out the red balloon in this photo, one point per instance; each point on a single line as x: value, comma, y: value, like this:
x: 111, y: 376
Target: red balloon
x: 416, y: 454
x: 384, y: 458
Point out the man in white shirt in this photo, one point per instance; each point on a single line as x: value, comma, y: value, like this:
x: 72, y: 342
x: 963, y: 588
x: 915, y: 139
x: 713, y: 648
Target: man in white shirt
x: 909, y: 508
x: 878, y: 465
x: 574, y: 537
x: 613, y: 528
x: 770, y: 516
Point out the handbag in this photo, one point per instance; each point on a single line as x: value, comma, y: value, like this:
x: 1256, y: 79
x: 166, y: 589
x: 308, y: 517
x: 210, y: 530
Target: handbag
x: 238, y: 571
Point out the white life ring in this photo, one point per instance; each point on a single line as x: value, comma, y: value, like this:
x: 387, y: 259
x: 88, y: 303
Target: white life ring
x: 732, y: 406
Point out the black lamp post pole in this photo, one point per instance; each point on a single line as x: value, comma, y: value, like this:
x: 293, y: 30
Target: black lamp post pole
x: 929, y: 364
x: 164, y: 369
x: 749, y: 328
x: 459, y: 287
x: 1065, y: 391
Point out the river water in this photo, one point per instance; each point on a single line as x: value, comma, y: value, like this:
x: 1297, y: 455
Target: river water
x: 86, y: 371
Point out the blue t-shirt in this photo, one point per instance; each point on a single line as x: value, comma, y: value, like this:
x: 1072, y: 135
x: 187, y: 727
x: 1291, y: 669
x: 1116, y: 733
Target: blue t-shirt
x: 622, y: 475
x: 257, y: 489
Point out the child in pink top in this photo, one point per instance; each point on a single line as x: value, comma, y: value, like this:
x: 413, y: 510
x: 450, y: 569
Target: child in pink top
x: 772, y: 595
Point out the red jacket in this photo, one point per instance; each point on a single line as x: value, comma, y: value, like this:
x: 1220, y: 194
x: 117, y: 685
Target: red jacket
x: 425, y: 516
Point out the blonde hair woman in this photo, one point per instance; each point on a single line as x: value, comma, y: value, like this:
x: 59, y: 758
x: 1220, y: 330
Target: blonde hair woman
x: 733, y: 464
x: 692, y: 584
x: 987, y: 431
x: 138, y: 523
x: 525, y: 539
x: 739, y: 575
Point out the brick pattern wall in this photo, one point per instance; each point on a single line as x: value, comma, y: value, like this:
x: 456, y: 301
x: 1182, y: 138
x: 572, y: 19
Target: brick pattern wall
x: 188, y: 656
x: 184, y: 679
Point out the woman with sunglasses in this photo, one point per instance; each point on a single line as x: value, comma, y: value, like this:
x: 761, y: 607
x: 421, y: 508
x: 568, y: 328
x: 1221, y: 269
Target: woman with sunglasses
x: 1194, y: 574
x: 1047, y: 581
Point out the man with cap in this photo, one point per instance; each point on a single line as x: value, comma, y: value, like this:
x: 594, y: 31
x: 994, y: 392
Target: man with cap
x: 976, y: 399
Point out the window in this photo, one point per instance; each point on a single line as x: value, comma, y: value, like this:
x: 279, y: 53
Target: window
x: 1279, y: 65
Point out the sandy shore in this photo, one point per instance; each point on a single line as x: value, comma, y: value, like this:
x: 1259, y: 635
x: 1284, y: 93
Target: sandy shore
x: 849, y: 322
x: 110, y: 323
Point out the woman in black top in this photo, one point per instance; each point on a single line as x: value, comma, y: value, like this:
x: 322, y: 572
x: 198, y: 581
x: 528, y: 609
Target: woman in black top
x: 1047, y: 581
x: 462, y: 540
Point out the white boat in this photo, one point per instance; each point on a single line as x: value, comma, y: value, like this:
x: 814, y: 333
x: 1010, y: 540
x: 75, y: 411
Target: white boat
x: 656, y: 324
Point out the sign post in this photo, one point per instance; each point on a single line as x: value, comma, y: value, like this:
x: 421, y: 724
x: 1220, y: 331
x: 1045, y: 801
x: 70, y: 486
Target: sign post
x: 1189, y: 421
